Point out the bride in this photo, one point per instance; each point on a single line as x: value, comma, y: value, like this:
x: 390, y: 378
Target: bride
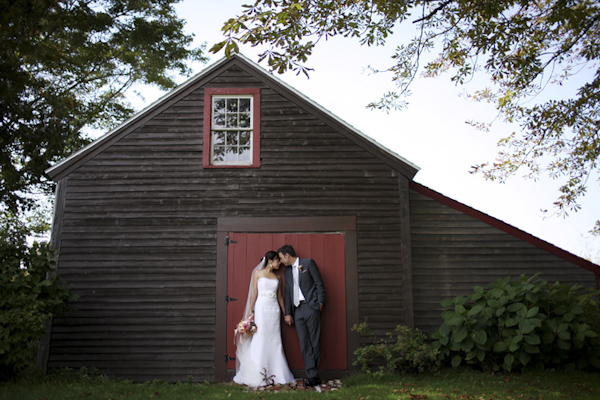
x: 260, y: 359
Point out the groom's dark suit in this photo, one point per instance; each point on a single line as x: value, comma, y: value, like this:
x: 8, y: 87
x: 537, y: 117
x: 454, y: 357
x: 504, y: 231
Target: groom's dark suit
x: 307, y: 316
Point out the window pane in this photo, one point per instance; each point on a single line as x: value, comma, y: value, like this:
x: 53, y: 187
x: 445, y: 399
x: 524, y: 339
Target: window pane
x: 219, y: 138
x: 232, y: 105
x: 245, y: 138
x: 244, y: 154
x: 218, y: 105
x: 245, y: 105
x: 244, y: 120
x: 232, y: 120
x: 232, y: 139
x: 231, y: 154
x: 219, y: 120
x: 219, y: 153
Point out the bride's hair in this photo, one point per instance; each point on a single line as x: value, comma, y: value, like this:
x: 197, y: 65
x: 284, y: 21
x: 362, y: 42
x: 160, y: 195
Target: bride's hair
x: 271, y: 255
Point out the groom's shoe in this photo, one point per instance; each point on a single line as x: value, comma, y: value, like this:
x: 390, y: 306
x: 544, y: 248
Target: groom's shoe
x: 312, y: 382
x: 309, y: 383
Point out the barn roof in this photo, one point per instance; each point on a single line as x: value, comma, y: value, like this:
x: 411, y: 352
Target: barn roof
x: 64, y: 167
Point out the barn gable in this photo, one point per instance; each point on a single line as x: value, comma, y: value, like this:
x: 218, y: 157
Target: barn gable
x: 141, y: 228
x: 228, y: 73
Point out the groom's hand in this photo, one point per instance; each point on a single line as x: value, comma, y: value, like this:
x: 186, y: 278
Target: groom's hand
x: 289, y: 320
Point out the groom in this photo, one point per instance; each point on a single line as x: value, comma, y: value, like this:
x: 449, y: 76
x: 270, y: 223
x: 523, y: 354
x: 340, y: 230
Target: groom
x: 304, y: 301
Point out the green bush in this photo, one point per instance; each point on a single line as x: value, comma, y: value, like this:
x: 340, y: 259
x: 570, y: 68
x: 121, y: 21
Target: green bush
x: 409, y: 353
x: 30, y: 293
x: 522, y: 323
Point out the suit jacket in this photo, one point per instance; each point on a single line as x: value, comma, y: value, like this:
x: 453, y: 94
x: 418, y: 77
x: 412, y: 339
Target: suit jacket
x: 311, y: 286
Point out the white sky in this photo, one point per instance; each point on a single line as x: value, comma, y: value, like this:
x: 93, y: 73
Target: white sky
x: 431, y: 132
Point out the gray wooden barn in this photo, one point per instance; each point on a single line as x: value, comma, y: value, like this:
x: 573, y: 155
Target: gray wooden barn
x: 158, y: 222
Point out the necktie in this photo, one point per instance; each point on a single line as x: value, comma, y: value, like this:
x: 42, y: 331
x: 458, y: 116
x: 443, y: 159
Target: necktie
x: 296, y: 287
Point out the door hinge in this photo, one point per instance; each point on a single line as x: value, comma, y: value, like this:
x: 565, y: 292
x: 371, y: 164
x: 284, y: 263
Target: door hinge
x: 227, y: 358
x: 229, y: 241
x: 228, y: 299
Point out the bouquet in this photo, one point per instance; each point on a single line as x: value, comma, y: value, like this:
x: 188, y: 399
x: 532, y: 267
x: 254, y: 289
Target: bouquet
x: 246, y: 327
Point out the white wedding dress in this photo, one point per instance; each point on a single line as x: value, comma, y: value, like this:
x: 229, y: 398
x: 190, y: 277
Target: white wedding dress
x: 264, y: 351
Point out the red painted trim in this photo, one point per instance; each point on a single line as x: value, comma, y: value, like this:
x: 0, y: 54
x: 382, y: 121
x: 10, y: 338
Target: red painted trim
x: 496, y: 223
x: 208, y: 93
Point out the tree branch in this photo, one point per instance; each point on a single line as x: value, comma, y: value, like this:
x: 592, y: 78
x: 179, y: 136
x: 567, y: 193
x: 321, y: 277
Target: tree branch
x: 435, y: 11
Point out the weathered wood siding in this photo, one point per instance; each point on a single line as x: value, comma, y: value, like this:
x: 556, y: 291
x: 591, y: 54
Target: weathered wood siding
x: 138, y: 236
x: 452, y: 252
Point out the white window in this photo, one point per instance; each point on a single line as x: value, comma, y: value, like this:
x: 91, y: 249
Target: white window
x: 231, y: 128
x: 231, y: 131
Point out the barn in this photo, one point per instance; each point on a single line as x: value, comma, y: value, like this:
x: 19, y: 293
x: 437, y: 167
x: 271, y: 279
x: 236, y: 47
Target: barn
x: 158, y: 224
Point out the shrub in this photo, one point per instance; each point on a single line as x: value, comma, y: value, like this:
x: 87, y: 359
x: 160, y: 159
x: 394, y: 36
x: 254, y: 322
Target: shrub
x: 522, y: 323
x: 409, y: 353
x: 30, y: 293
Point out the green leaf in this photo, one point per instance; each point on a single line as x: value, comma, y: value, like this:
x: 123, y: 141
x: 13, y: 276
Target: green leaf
x: 532, y: 339
x: 467, y: 345
x: 474, y: 311
x: 533, y: 311
x: 564, y: 335
x: 568, y: 317
x: 444, y: 329
x: 217, y: 46
x: 460, y: 334
x: 524, y: 357
x: 454, y: 320
x: 526, y: 326
x: 230, y: 48
x: 480, y: 355
x: 456, y: 360
x: 479, y: 336
x: 531, y: 349
x: 447, y: 303
x: 514, y: 345
x: 515, y: 307
x: 493, y: 303
x: 501, y: 346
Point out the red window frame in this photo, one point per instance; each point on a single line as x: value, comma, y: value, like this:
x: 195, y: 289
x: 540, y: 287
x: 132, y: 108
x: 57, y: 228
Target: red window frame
x: 206, y: 151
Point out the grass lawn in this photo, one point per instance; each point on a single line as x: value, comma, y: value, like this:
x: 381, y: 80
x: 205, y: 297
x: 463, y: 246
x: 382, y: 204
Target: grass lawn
x: 448, y: 384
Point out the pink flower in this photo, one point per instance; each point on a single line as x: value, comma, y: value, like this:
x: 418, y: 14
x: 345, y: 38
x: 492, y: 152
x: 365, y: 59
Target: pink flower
x: 246, y: 327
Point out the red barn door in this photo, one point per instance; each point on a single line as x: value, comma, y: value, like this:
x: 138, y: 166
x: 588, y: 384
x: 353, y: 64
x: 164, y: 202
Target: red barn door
x: 328, y: 252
